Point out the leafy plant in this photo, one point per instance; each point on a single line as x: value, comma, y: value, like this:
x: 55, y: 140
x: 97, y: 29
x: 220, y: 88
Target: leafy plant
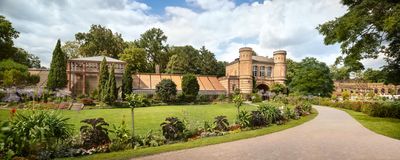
x: 166, y: 90
x: 221, y: 123
x: 208, y: 127
x: 173, y: 128
x: 122, y: 138
x: 94, y: 134
x: 258, y: 119
x: 271, y: 113
x: 244, y: 119
x: 238, y: 100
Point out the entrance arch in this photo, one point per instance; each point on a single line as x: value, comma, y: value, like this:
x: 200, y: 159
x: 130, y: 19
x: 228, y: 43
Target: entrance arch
x: 263, y: 89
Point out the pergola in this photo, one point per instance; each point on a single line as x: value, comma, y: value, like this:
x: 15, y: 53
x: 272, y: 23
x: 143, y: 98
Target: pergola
x: 83, y: 73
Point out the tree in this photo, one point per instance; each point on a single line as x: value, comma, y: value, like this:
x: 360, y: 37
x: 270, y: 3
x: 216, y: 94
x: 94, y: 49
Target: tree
x: 57, y: 77
x: 221, y: 68
x: 126, y: 87
x: 136, y: 57
x: 166, y: 90
x: 370, y: 27
x: 341, y: 73
x: 153, y: 42
x: 374, y: 76
x: 312, y: 78
x: 134, y: 100
x: 208, y: 63
x: 103, y: 78
x: 190, y: 87
x: 100, y: 41
x: 110, y: 92
x: 7, y: 34
x: 71, y: 49
x: 291, y: 67
x: 178, y: 63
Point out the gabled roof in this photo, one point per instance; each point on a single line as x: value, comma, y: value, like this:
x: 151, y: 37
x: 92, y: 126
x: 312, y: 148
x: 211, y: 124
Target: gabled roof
x: 97, y: 59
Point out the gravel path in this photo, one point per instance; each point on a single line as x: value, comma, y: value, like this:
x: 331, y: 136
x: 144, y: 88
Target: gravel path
x: 333, y: 134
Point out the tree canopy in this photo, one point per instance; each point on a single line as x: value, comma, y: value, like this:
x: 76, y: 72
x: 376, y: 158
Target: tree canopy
x: 312, y: 78
x: 100, y: 41
x: 136, y: 58
x: 368, y: 29
x: 185, y: 59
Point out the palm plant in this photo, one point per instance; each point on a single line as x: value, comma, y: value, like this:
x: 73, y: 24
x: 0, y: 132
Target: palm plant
x: 221, y: 123
x: 94, y: 134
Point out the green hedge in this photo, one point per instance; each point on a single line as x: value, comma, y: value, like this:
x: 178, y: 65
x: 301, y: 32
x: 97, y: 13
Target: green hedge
x: 375, y: 109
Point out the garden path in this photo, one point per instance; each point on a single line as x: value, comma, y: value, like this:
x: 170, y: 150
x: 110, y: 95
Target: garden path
x: 333, y: 134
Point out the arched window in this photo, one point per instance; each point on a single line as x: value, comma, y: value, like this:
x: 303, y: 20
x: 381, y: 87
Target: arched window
x: 383, y: 90
x: 255, y: 70
x: 269, y: 71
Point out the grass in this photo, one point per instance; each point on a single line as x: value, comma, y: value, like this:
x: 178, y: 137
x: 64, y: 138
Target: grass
x: 149, y: 117
x: 385, y: 126
x: 127, y: 154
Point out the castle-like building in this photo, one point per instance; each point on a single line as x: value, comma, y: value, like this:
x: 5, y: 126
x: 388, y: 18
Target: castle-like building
x: 249, y: 70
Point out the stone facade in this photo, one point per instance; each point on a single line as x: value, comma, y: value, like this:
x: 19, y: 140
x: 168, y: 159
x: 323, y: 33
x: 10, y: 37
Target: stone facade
x: 363, y: 88
x: 266, y: 71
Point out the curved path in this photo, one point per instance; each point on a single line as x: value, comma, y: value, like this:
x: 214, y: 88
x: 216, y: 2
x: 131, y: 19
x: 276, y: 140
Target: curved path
x: 333, y: 134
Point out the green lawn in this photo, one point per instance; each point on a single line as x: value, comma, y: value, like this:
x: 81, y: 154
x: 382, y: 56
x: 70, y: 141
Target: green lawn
x: 127, y: 154
x: 386, y: 126
x: 150, y: 117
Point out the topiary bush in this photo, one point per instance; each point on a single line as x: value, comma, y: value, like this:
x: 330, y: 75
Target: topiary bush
x: 190, y: 87
x: 166, y: 90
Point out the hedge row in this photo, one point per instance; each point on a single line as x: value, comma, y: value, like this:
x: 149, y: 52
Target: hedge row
x: 375, y: 109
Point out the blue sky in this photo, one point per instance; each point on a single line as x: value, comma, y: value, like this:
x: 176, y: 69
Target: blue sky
x: 222, y: 26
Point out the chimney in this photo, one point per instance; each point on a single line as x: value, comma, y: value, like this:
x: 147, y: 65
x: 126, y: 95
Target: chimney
x: 157, y: 69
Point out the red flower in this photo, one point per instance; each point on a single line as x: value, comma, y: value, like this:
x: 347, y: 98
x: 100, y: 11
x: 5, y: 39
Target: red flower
x: 13, y: 110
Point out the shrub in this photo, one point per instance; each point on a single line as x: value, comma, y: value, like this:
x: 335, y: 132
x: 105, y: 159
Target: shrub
x: 122, y: 138
x: 166, y: 90
x: 94, y: 134
x: 258, y: 119
x: 346, y: 95
x: 221, y: 97
x: 173, y: 128
x: 290, y: 114
x: 270, y: 112
x: 38, y: 133
x: 256, y: 98
x: 244, y: 119
x: 221, y: 123
x: 150, y: 139
x: 87, y: 101
x: 190, y: 86
x: 203, y: 98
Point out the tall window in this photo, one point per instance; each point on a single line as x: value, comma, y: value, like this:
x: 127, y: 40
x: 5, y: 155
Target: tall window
x: 255, y: 71
x: 269, y: 71
x: 262, y: 71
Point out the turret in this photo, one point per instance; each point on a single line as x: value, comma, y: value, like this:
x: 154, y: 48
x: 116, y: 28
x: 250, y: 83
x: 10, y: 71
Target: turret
x: 280, y: 66
x: 245, y: 69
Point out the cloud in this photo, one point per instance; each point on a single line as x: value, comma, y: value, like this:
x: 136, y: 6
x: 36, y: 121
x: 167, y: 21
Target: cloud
x: 220, y: 25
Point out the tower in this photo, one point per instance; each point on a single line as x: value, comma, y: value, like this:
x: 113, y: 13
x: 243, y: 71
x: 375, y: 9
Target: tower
x: 245, y: 70
x: 279, y: 73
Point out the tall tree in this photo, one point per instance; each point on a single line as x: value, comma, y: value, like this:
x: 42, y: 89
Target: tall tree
x: 208, y: 63
x: 370, y: 27
x: 340, y: 73
x: 153, y: 42
x: 7, y: 34
x: 190, y: 87
x: 221, y: 68
x: 312, y: 78
x: 185, y: 59
x: 374, y: 76
x: 136, y: 58
x: 291, y: 67
x: 57, y: 77
x: 126, y: 87
x: 112, y: 87
x: 103, y: 78
x: 71, y: 49
x: 100, y: 41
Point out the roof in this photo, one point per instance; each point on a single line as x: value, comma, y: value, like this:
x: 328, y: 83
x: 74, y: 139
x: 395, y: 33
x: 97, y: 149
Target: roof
x: 97, y: 59
x: 262, y: 59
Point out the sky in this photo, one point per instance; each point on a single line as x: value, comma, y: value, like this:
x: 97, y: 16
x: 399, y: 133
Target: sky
x: 222, y: 26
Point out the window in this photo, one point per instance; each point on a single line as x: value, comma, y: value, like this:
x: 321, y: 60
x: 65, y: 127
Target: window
x: 255, y: 71
x: 269, y: 71
x: 262, y: 71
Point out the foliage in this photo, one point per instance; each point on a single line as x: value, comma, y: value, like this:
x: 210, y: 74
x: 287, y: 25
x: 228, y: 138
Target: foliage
x: 256, y: 98
x: 166, y: 90
x: 221, y: 123
x: 278, y: 88
x: 221, y: 97
x: 173, y: 128
x: 220, y: 71
x: 341, y: 73
x: 374, y: 76
x: 244, y: 119
x: 370, y: 27
x: 312, y: 78
x: 103, y: 78
x: 150, y: 139
x: 178, y: 63
x: 126, y: 87
x: 87, y: 101
x: 190, y: 87
x: 35, y: 133
x: 71, y: 49
x: 110, y: 92
x: 346, y: 95
x: 94, y: 134
x: 100, y: 41
x: 258, y: 119
x: 7, y: 34
x: 208, y: 63
x: 12, y: 73
x: 136, y: 100
x: 136, y: 58
x: 57, y: 77
x: 153, y: 42
x: 122, y: 139
x: 238, y: 100
x: 270, y: 112
x: 291, y: 67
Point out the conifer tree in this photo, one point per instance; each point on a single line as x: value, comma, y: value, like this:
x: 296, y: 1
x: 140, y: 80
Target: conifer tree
x: 112, y: 86
x: 103, y: 78
x: 126, y: 87
x: 57, y: 77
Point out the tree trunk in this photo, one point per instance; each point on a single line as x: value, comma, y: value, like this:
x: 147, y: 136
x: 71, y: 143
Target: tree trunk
x: 133, y: 124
